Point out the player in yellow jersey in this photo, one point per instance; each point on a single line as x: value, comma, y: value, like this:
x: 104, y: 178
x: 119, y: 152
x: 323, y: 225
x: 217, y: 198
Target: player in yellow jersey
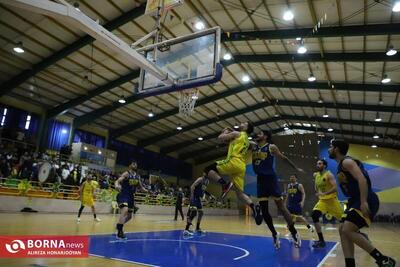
x: 326, y: 191
x: 234, y: 165
x: 86, y: 192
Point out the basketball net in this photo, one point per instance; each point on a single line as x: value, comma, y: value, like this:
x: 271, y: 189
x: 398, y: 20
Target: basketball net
x: 187, y: 100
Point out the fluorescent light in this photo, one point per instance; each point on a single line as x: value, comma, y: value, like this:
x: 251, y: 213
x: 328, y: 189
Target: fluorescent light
x: 288, y: 15
x: 298, y: 38
x: 312, y: 78
x: 330, y: 130
x: 286, y: 128
x: 376, y: 136
x: 302, y: 49
x: 99, y: 152
x: 19, y: 48
x: 391, y: 51
x: 200, y: 138
x: 236, y: 126
x: 325, y: 115
x: 374, y: 146
x: 306, y: 124
x: 298, y: 124
x: 5, y: 112
x: 179, y: 128
x: 85, y: 147
x: 64, y: 131
x: 320, y: 100
x: 199, y: 25
x: 151, y: 114
x: 245, y: 78
x: 195, y: 97
x: 396, y: 7
x: 121, y: 100
x: 27, y: 125
x: 227, y: 56
x: 378, y: 118
x: 385, y: 79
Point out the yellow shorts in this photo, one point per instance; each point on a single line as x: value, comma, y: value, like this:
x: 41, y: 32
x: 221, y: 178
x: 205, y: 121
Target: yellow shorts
x: 235, y: 169
x: 87, y: 201
x: 331, y: 206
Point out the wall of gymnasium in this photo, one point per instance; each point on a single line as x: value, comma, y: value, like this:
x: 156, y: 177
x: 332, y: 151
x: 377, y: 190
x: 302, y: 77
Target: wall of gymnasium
x: 383, y: 166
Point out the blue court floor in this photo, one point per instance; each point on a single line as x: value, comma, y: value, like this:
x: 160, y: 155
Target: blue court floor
x: 169, y: 248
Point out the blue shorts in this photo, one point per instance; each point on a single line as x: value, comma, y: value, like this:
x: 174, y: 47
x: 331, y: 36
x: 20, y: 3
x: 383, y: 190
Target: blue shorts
x: 196, y: 202
x: 267, y: 186
x: 126, y: 201
x: 295, y: 209
x: 353, y: 211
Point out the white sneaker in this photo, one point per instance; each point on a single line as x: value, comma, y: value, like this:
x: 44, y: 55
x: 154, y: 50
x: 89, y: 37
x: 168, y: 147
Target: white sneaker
x: 188, y: 233
x: 78, y: 220
x: 311, y: 229
x: 277, y: 241
x: 97, y: 219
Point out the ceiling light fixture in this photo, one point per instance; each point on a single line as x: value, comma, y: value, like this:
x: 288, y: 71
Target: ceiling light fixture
x: 391, y: 51
x: 288, y: 15
x: 312, y: 78
x: 385, y: 79
x: 19, y: 48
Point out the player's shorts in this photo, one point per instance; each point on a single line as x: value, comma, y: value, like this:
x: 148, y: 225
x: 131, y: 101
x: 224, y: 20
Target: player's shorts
x: 330, y: 206
x: 235, y: 168
x: 87, y: 200
x: 296, y: 210
x: 126, y: 201
x: 196, y: 202
x: 268, y: 187
x: 353, y: 212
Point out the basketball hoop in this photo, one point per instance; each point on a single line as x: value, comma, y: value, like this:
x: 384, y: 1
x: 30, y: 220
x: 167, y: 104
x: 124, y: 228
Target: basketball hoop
x: 187, y: 100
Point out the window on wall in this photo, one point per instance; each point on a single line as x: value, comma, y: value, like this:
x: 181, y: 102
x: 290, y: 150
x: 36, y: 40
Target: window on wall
x: 3, y: 117
x: 28, y: 122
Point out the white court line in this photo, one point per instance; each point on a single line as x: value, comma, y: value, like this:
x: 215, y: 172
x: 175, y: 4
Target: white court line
x: 246, y: 252
x: 136, y: 262
x: 328, y: 255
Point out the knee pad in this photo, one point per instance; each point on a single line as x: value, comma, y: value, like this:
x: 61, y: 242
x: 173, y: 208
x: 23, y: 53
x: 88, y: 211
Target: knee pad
x: 192, y: 212
x: 212, y: 167
x: 315, y: 215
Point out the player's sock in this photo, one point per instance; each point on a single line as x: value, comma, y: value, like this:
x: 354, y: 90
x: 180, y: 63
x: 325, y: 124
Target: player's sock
x: 119, y: 227
x: 377, y: 255
x: 293, y: 231
x: 198, y: 226
x: 321, y: 237
x: 350, y: 262
x: 222, y: 181
x: 80, y: 211
x: 308, y: 226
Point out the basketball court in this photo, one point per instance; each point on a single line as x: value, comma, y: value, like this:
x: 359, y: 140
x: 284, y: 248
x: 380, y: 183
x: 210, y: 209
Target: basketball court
x: 90, y: 87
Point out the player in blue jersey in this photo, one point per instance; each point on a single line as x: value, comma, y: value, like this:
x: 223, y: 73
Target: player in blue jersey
x: 127, y: 185
x: 363, y: 204
x: 264, y: 153
x: 197, y: 191
x: 295, y: 199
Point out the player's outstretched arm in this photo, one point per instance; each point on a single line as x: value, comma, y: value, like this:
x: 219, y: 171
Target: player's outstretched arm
x: 276, y: 152
x: 118, y: 182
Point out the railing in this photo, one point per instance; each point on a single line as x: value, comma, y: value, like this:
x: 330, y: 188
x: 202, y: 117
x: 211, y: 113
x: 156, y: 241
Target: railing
x: 17, y: 187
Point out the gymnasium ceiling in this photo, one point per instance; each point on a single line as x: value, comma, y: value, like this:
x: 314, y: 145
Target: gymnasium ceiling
x: 66, y: 72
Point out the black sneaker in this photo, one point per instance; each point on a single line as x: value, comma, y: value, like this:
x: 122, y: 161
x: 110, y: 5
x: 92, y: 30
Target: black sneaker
x: 258, y: 217
x: 387, y: 262
x: 319, y: 244
x: 121, y: 235
x: 225, y: 189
